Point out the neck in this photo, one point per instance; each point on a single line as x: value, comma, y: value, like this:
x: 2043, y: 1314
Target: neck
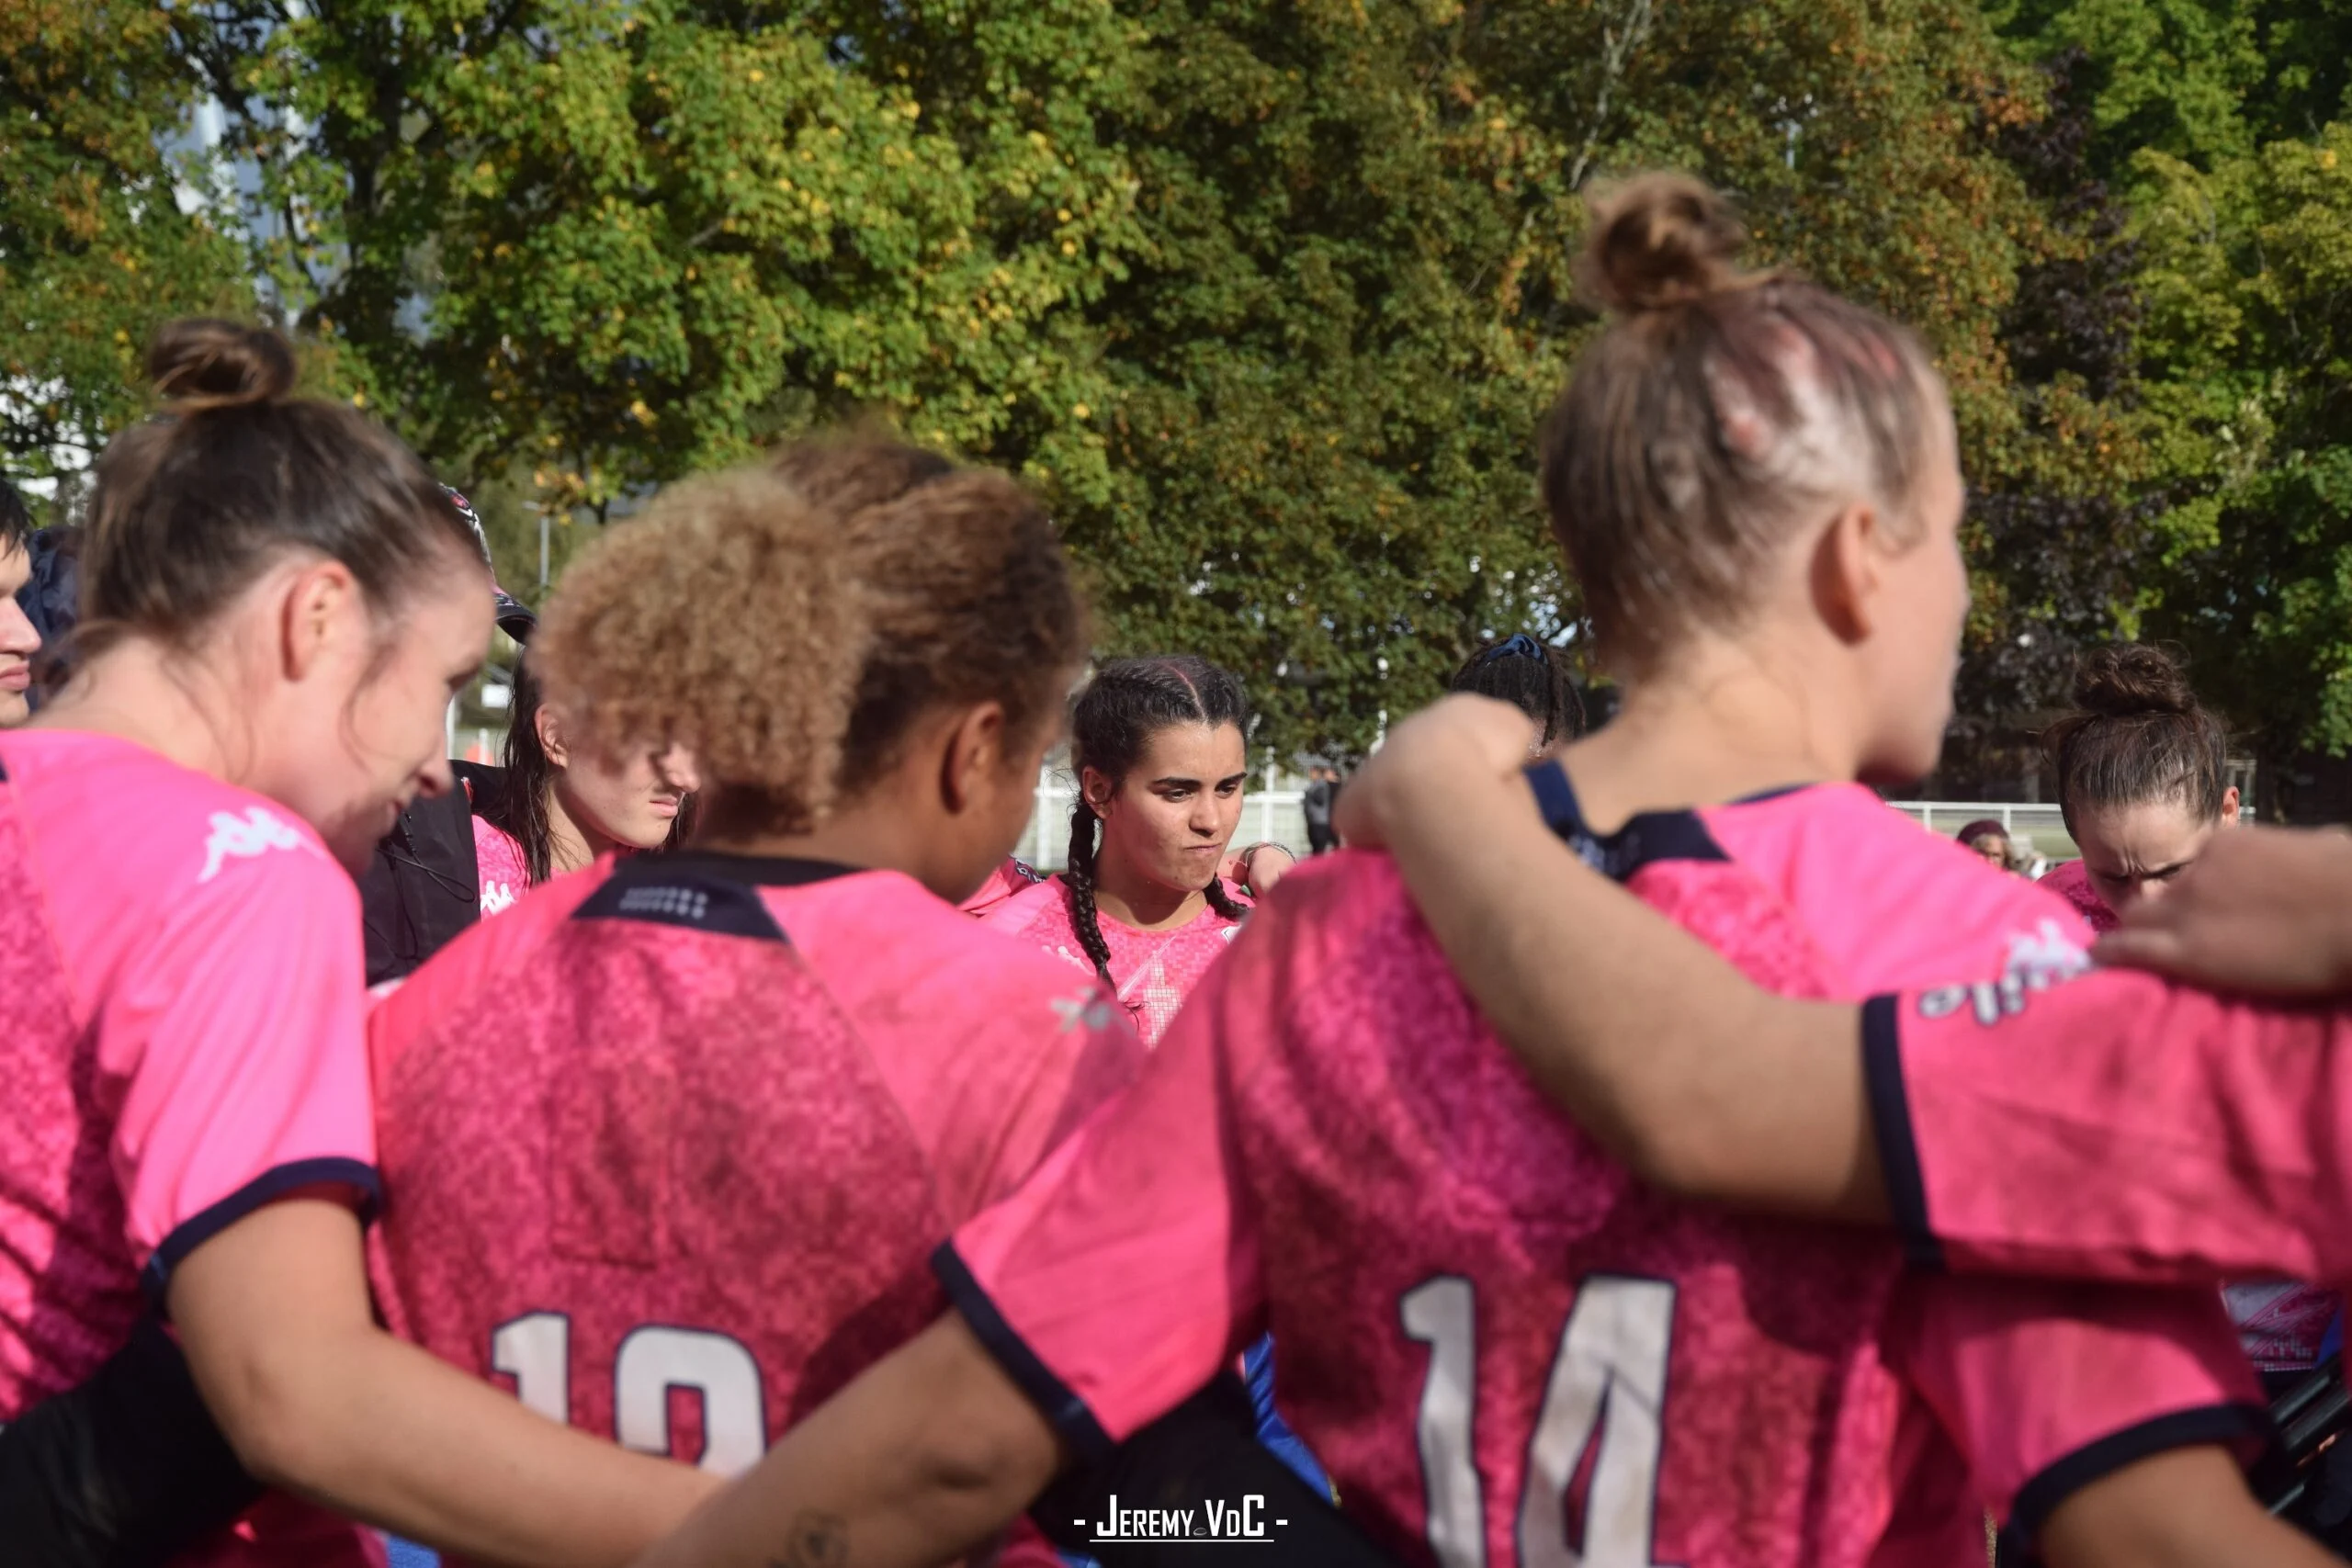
x: 1722, y: 723
x: 869, y: 835
x: 1124, y: 892
x: 138, y: 693
x: 572, y: 843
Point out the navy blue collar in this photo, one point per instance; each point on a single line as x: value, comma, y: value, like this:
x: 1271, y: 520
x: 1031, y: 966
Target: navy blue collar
x: 1647, y: 837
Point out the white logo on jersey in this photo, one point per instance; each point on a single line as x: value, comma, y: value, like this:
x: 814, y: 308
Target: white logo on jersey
x: 255, y: 834
x: 496, y: 897
x: 1083, y: 1010
x: 2045, y: 955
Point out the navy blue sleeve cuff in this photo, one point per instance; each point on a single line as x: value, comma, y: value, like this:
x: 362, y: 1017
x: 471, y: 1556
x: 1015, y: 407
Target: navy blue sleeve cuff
x: 262, y: 1190
x: 1898, y: 1153
x: 1064, y: 1409
x: 2245, y: 1427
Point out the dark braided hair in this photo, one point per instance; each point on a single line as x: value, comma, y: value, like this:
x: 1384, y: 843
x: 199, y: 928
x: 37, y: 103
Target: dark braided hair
x: 1531, y: 677
x: 1128, y: 702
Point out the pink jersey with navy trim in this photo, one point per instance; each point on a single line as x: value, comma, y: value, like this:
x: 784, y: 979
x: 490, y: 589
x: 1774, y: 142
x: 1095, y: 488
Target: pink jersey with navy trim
x: 2116, y: 1126
x: 181, y: 1037
x: 1153, y: 971
x: 670, y: 1142
x: 1503, y: 1348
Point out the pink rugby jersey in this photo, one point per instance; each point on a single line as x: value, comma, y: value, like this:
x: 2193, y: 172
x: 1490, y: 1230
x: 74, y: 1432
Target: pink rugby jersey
x: 503, y: 873
x: 181, y: 1036
x: 1009, y: 878
x: 2072, y: 882
x: 2117, y: 1126
x: 671, y: 1141
x: 1153, y: 971
x: 1504, y: 1349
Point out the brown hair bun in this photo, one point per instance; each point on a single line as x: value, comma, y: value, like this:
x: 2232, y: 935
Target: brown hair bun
x: 1660, y: 240
x: 204, y: 363
x: 2126, y: 679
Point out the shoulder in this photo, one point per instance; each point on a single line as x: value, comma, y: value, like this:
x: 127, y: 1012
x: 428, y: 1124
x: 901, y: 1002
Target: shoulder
x: 1897, y: 905
x: 892, y: 951
x: 1034, y: 905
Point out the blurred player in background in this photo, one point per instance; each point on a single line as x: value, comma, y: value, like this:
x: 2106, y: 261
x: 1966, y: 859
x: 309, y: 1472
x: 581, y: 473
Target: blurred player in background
x: 281, y: 603
x: 1505, y: 1349
x: 1533, y: 678
x: 555, y: 807
x: 1158, y: 749
x: 673, y: 1138
x: 2142, y: 778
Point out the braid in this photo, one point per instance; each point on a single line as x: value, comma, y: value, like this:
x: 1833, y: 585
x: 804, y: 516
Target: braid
x: 1080, y: 879
x: 1222, y: 901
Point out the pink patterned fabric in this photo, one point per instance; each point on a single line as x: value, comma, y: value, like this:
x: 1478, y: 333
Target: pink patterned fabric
x: 2072, y: 882
x: 1505, y: 1349
x: 181, y: 1037
x: 672, y: 1141
x: 1153, y: 971
x: 504, y: 876
x: 1012, y: 877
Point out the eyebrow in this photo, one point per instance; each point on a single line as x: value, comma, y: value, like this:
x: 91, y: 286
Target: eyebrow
x: 1195, y: 783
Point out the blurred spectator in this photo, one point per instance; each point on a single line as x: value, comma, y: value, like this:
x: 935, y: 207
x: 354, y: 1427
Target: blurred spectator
x: 1533, y: 678
x: 1987, y: 838
x: 1321, y: 794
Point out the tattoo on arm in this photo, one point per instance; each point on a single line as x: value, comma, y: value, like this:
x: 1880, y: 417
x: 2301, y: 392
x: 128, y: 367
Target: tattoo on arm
x: 819, y: 1540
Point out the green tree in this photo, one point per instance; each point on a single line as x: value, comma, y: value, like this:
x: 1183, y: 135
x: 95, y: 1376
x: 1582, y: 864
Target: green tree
x: 2250, y: 314
x: 96, y: 249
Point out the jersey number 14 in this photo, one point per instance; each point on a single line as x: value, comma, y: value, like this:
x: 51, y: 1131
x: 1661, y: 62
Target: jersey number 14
x: 536, y: 1351
x: 1608, y: 1381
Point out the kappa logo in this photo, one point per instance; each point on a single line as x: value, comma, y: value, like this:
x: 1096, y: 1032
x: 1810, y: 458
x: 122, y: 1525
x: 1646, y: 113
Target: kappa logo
x: 497, y: 897
x: 249, y: 836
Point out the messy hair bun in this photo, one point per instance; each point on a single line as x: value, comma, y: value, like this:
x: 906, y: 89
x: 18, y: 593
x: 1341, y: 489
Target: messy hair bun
x: 2137, y: 734
x: 205, y: 362
x: 2129, y: 679
x: 1660, y: 240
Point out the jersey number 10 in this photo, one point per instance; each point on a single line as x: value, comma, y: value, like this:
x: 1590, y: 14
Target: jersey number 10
x: 1608, y: 1377
x: 536, y: 1351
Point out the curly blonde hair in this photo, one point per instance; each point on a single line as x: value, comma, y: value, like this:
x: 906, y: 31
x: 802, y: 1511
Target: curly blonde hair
x: 787, y: 623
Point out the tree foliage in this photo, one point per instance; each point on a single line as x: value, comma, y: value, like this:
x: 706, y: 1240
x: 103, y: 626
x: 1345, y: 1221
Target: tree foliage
x: 1267, y: 296
x: 94, y: 248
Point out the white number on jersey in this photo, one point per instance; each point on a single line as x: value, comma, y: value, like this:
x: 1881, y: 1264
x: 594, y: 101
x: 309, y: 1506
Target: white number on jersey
x: 536, y: 1351
x: 1608, y: 1377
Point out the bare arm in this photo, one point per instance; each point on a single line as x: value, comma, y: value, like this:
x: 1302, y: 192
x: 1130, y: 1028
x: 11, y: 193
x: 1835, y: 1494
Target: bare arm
x: 1703, y: 1084
x: 929, y: 1452
x: 316, y: 1399
x: 2264, y: 910
x: 2188, y: 1508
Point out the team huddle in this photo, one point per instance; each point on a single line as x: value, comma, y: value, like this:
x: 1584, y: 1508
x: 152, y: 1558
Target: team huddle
x: 784, y: 1175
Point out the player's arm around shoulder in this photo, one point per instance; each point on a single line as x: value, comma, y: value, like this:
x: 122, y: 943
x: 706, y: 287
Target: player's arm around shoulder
x: 2188, y: 1508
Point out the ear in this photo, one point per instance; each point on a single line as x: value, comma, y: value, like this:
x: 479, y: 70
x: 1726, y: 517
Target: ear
x: 550, y: 731
x: 2230, y: 803
x: 318, y: 602
x: 1847, y: 572
x: 973, y: 757
x: 1098, y: 789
